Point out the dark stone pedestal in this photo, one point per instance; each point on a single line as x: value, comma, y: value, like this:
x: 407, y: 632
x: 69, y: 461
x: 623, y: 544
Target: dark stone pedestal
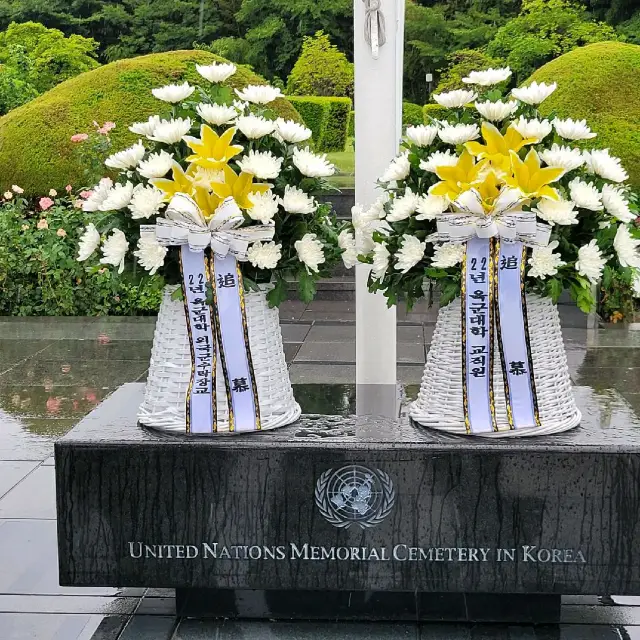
x: 362, y: 515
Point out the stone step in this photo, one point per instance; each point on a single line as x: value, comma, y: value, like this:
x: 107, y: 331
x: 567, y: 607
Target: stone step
x: 342, y: 202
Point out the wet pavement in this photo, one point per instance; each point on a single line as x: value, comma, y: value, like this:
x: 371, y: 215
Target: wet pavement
x: 53, y: 371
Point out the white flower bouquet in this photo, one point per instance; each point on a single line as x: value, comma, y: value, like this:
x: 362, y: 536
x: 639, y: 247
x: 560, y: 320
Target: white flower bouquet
x: 217, y: 147
x: 496, y: 169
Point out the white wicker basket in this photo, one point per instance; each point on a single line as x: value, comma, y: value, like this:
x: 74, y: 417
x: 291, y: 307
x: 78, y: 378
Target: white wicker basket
x: 170, y: 369
x: 439, y: 404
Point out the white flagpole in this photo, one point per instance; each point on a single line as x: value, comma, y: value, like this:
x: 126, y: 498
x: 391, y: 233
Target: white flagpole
x: 378, y: 127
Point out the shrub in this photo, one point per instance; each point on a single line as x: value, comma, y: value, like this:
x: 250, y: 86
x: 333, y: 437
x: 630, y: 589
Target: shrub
x: 411, y: 114
x: 434, y: 111
x: 119, y: 92
x: 39, y: 273
x: 600, y: 83
x: 460, y: 64
x: 321, y: 70
x: 328, y: 119
x: 351, y: 127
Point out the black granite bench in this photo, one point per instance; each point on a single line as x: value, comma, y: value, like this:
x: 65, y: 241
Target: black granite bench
x: 345, y: 517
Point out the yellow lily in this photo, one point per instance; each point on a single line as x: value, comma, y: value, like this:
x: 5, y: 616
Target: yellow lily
x: 208, y: 202
x: 211, y: 150
x: 238, y: 186
x: 458, y: 178
x: 489, y: 190
x: 532, y: 180
x: 181, y: 183
x: 498, y: 147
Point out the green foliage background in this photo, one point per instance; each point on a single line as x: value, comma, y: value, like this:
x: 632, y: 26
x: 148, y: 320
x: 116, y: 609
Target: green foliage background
x: 328, y: 119
x: 35, y: 148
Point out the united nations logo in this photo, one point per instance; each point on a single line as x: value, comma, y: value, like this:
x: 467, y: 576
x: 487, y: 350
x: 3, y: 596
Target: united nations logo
x: 355, y: 495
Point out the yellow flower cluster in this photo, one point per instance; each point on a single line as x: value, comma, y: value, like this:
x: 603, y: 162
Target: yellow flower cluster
x: 494, y: 165
x: 209, y: 179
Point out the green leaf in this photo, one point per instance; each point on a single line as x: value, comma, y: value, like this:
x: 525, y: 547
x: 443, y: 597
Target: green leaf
x: 554, y: 289
x: 306, y: 286
x: 177, y: 295
x: 278, y: 294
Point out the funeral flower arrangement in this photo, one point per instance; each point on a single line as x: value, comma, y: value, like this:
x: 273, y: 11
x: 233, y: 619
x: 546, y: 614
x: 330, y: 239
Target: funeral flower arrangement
x: 238, y: 177
x: 494, y: 168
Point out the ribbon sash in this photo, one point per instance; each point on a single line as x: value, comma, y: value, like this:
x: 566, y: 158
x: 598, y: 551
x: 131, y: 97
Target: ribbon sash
x: 477, y: 336
x: 513, y: 334
x: 201, y: 394
x: 233, y: 344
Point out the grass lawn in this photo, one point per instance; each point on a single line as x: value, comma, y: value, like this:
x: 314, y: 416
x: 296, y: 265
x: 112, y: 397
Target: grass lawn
x: 345, y: 161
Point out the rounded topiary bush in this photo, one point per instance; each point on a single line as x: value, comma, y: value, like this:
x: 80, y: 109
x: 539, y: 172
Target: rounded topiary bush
x: 36, y: 151
x: 599, y: 82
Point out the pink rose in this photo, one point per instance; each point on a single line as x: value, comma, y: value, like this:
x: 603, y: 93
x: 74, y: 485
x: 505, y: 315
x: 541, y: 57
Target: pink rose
x: 61, y: 233
x: 46, y: 203
x: 42, y: 224
x: 68, y: 188
x: 106, y: 128
x: 79, y: 137
x: 85, y: 195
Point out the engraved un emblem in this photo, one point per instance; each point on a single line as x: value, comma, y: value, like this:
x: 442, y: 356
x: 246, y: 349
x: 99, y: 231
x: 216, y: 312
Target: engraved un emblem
x: 355, y: 495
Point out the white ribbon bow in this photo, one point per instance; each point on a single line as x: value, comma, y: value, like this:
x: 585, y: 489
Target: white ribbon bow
x: 374, y: 26
x: 184, y: 223
x: 506, y: 220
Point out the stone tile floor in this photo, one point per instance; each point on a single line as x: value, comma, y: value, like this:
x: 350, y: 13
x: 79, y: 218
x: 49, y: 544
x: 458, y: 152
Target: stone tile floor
x: 53, y: 371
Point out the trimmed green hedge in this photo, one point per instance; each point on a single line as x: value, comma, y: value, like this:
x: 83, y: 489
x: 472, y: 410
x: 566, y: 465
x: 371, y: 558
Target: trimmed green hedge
x: 328, y: 119
x: 433, y: 111
x: 35, y: 148
x: 351, y: 127
x: 411, y: 114
x: 599, y: 82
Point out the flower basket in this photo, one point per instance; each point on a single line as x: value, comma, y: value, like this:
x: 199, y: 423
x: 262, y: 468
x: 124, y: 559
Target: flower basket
x: 440, y: 401
x: 165, y: 396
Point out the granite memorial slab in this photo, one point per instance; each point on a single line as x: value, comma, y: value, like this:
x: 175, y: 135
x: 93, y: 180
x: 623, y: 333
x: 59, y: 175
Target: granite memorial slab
x: 384, y: 517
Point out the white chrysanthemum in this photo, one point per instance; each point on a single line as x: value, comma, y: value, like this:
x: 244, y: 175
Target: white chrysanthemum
x: 600, y: 162
x: 496, y: 111
x: 380, y: 261
x: 544, y: 262
x: 573, y: 129
x: 171, y: 131
x: 265, y: 206
x: 216, y: 72
x: 204, y: 177
x: 127, y: 159
x: 590, y: 262
x: 157, y: 165
x: 409, y: 254
x: 489, y: 77
x: 264, y: 255
x: 146, y: 202
x: 99, y: 195
x: 150, y: 253
x: 216, y: 114
x: 174, y: 93
x: 309, y: 251
x: 114, y: 249
x: 119, y: 197
x: 292, y: 132
x: 262, y: 164
x: 561, y: 211
x: 366, y: 222
x: 297, y: 201
x: 616, y: 203
x: 439, y: 159
x: 145, y: 128
x: 254, y: 127
x: 585, y: 195
x: 455, y: 99
x: 422, y: 135
x: 312, y: 165
x: 534, y: 128
x: 259, y: 94
x: 626, y: 247
x: 459, y: 133
x: 447, y: 255
x: 347, y: 242
x: 88, y: 243
x: 430, y: 207
x: 403, y: 206
x: 562, y: 157
x: 535, y: 93
x: 398, y: 169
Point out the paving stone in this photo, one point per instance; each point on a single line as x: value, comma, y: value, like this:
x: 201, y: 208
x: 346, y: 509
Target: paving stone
x: 44, y: 626
x: 67, y: 604
x: 294, y: 332
x: 34, y: 497
x: 145, y: 627
x: 11, y: 472
x: 328, y: 373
